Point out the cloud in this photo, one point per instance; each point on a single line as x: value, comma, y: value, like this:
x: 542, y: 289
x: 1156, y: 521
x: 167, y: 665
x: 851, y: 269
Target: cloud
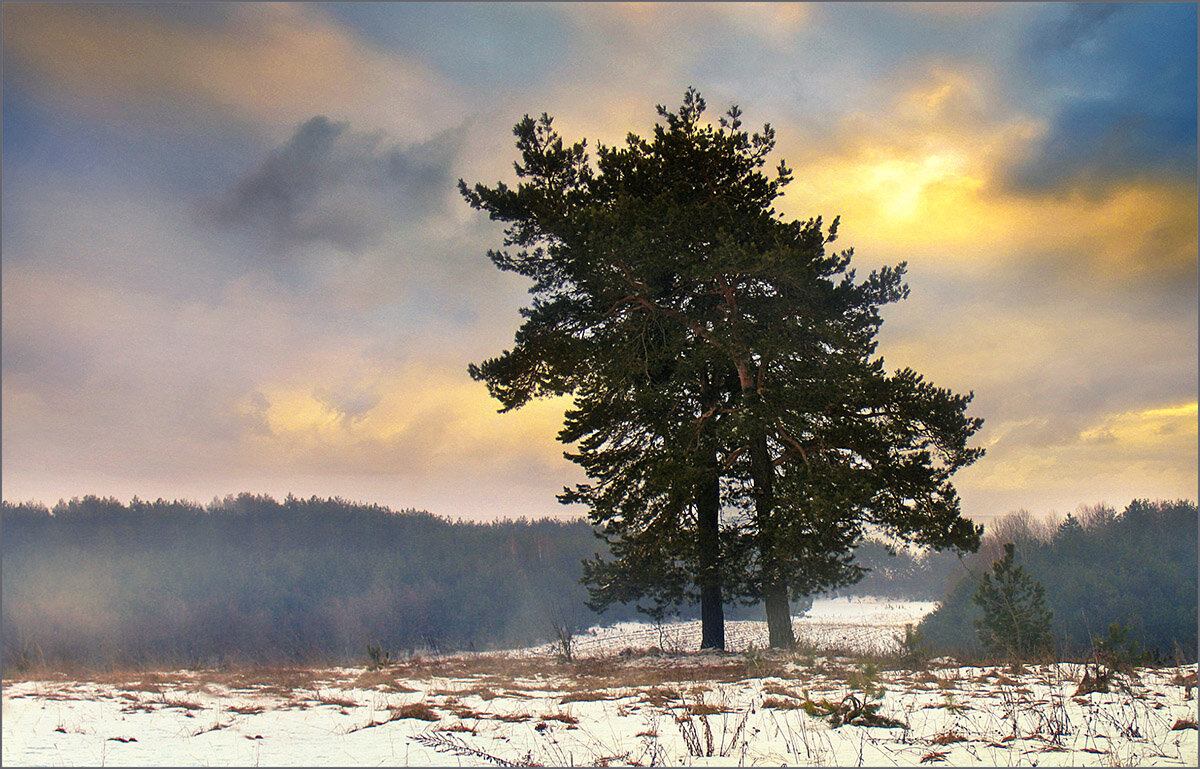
x: 418, y: 417
x: 1078, y: 29
x: 269, y: 65
x: 330, y: 184
x: 148, y: 353
x: 924, y: 177
x: 1123, y: 82
x: 309, y: 331
x: 1157, y: 455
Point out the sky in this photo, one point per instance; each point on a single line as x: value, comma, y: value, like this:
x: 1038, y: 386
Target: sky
x: 235, y: 258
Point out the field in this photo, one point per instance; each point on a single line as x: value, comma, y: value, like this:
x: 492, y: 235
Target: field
x: 630, y: 695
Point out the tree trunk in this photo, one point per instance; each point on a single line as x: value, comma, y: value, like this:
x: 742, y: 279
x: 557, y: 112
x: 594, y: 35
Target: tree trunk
x: 775, y: 592
x: 779, y: 617
x: 708, y: 525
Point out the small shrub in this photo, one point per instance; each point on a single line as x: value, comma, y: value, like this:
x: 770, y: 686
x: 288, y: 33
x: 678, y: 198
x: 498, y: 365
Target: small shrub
x: 850, y: 710
x: 564, y: 642
x: 1116, y: 652
x: 913, y: 652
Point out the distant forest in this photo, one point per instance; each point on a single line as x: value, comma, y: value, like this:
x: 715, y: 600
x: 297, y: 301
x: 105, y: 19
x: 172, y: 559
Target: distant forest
x: 251, y: 579
x: 1136, y: 568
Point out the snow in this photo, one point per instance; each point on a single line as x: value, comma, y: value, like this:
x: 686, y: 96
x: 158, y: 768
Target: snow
x: 679, y: 709
x: 861, y: 624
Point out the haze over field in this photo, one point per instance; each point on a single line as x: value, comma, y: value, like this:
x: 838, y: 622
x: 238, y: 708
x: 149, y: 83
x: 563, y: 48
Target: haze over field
x: 235, y: 258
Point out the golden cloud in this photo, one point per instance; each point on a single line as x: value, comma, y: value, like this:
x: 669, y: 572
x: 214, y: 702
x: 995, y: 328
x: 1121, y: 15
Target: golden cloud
x: 269, y: 63
x: 423, y: 419
x: 926, y: 176
x: 1146, y: 453
x: 1147, y: 429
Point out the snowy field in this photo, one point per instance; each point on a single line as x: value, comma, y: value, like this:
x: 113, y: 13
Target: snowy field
x: 866, y: 625
x: 615, y: 704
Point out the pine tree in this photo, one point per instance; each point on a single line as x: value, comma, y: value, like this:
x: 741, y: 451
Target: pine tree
x: 738, y: 435
x: 1015, y: 619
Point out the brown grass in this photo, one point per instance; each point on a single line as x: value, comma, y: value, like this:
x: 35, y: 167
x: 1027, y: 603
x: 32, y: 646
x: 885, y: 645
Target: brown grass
x: 482, y: 692
x: 383, y: 680
x: 417, y: 710
x: 584, y: 696
x: 782, y: 690
x: 1188, y: 681
x: 660, y: 696
x: 565, y: 718
x: 341, y: 702
x: 462, y: 711
x: 707, y: 709
x: 947, y: 737
x: 780, y: 704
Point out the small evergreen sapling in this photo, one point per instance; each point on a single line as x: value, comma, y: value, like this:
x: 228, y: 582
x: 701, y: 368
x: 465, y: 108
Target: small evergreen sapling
x: 1015, y: 619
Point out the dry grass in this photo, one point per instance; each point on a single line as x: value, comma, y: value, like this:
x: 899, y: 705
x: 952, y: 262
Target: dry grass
x: 947, y: 737
x: 565, y: 718
x: 660, y: 696
x: 782, y: 691
x: 462, y: 711
x: 416, y: 710
x: 707, y: 709
x: 182, y: 704
x: 330, y: 699
x: 584, y: 696
x: 371, y: 679
x: 780, y: 704
x: 485, y: 693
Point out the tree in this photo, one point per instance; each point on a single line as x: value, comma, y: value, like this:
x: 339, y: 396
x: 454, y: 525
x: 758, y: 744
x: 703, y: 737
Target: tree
x: 736, y: 430
x: 609, y: 253
x: 1015, y: 619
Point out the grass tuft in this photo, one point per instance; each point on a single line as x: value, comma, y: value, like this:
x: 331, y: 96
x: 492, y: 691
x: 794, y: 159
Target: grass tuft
x: 417, y: 710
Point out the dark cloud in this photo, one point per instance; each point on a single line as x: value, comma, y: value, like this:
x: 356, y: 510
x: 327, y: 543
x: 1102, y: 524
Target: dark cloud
x: 333, y: 185
x: 1126, y: 77
x: 1079, y: 28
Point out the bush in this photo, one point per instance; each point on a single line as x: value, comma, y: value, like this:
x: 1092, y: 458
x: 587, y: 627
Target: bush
x: 1015, y: 619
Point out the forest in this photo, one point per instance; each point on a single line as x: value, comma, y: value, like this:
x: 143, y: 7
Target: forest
x: 1126, y: 579
x: 97, y: 582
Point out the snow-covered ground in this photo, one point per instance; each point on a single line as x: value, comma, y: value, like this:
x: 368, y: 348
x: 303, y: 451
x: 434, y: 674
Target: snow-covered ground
x: 608, y: 708
x: 866, y: 624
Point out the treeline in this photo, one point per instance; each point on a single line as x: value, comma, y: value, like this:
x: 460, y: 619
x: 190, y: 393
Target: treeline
x: 1136, y: 568
x: 248, y: 578
x: 97, y: 582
